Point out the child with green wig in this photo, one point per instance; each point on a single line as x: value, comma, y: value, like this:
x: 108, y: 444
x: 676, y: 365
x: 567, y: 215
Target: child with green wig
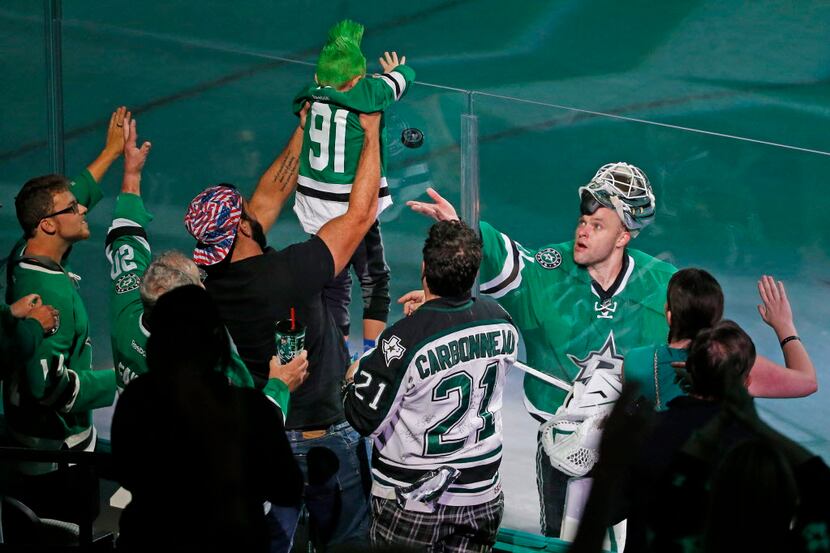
x: 328, y: 162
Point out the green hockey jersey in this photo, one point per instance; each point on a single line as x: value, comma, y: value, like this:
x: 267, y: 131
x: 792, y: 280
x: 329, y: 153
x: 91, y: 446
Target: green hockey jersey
x: 571, y: 326
x: 19, y: 339
x: 333, y: 140
x: 50, y: 398
x: 129, y: 254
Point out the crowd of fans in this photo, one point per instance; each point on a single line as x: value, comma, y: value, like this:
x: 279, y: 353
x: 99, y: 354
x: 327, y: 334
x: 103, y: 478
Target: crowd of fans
x: 226, y: 446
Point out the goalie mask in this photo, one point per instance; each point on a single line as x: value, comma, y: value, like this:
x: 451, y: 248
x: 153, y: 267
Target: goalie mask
x: 623, y: 188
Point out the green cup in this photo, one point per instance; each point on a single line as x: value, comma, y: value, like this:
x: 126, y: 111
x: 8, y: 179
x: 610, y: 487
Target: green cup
x: 289, y: 342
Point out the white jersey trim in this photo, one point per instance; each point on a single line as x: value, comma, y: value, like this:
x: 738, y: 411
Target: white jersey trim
x: 624, y: 280
x: 506, y: 270
x: 38, y: 268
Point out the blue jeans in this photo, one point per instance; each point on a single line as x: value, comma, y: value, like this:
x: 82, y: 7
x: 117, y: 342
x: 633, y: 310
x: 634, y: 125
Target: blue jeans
x: 353, y: 480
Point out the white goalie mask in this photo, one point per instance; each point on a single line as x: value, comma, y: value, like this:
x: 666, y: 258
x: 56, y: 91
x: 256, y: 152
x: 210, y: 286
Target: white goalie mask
x: 625, y: 189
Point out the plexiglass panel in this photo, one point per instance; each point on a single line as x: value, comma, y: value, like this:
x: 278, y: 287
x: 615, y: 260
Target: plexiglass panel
x: 736, y: 208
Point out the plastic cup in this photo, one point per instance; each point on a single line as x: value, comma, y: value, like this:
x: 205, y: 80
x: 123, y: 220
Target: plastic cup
x: 289, y: 342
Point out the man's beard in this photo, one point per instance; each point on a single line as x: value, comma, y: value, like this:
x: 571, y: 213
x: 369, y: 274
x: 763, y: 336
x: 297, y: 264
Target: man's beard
x: 258, y: 234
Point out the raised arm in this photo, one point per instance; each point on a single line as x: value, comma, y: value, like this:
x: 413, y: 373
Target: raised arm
x: 767, y: 378
x: 342, y: 234
x: 134, y: 157
x: 279, y: 180
x: 113, y: 147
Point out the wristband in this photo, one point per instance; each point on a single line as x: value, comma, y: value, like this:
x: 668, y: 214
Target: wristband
x: 789, y: 339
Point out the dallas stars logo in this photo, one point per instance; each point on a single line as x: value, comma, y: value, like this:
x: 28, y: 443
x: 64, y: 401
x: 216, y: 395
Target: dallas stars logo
x: 549, y: 258
x: 392, y: 349
x: 600, y: 376
x: 127, y: 283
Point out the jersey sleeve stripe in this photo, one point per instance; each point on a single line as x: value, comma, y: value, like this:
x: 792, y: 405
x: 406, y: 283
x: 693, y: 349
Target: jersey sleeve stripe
x: 511, y: 274
x: 394, y: 84
x: 116, y: 232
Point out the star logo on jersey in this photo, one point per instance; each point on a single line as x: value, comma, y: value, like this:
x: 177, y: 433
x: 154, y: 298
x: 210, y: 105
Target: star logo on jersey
x: 549, y: 258
x: 600, y: 375
x: 392, y: 349
x: 127, y: 283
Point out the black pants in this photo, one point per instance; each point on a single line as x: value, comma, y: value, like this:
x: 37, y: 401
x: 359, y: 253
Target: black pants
x: 370, y: 267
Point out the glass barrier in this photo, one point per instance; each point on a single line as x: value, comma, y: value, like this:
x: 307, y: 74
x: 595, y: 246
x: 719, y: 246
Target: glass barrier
x: 734, y: 207
x: 23, y: 128
x: 216, y: 104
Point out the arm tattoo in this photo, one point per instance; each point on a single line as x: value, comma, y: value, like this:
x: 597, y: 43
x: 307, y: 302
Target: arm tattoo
x: 286, y: 170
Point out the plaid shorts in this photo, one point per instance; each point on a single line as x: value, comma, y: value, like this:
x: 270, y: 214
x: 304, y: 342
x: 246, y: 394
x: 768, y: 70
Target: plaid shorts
x: 450, y: 529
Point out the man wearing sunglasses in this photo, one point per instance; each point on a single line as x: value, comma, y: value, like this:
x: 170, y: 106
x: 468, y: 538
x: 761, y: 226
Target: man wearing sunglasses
x: 580, y: 305
x: 49, y: 400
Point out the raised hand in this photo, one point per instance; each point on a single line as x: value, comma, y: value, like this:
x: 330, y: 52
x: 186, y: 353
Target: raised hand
x: 134, y: 157
x: 115, y: 137
x: 440, y: 209
x: 775, y: 309
x: 390, y: 61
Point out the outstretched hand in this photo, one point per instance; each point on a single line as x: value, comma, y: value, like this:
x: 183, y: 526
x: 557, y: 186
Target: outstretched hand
x: 440, y: 209
x: 775, y: 309
x: 412, y: 301
x: 115, y: 137
x: 134, y: 157
x: 390, y: 61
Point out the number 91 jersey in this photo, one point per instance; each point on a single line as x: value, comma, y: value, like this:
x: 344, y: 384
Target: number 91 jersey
x: 430, y: 394
x: 333, y: 140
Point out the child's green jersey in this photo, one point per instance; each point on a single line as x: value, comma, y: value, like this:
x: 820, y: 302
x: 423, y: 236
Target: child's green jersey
x: 571, y: 326
x: 333, y: 140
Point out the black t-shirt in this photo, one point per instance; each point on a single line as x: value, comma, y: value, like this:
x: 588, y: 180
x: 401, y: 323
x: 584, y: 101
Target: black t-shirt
x: 254, y: 293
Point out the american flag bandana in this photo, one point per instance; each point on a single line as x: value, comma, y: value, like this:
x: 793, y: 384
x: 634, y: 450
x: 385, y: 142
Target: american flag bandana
x: 212, y: 219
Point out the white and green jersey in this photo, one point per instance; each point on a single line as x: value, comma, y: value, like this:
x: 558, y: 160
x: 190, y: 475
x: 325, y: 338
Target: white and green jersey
x: 570, y: 325
x: 129, y: 254
x: 430, y: 395
x: 333, y: 140
x: 49, y: 398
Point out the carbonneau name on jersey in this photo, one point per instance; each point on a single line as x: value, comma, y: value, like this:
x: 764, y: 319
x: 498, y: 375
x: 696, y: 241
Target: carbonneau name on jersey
x: 467, y: 347
x: 439, y: 403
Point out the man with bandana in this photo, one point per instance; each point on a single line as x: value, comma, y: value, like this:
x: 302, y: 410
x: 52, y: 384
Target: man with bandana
x: 255, y: 286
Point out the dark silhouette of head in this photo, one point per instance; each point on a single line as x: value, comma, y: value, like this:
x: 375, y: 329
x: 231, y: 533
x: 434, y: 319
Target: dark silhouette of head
x: 719, y: 357
x: 695, y: 300
x: 187, y: 332
x: 452, y: 255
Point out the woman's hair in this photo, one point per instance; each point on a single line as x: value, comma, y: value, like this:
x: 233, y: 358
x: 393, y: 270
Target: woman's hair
x: 695, y: 300
x: 187, y: 332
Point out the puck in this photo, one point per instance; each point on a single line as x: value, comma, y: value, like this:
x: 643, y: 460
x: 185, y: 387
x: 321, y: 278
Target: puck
x: 412, y: 137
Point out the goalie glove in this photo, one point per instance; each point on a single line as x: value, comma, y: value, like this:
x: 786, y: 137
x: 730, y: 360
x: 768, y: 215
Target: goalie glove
x: 571, y: 442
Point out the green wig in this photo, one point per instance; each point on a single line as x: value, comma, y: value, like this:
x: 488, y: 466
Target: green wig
x: 341, y: 59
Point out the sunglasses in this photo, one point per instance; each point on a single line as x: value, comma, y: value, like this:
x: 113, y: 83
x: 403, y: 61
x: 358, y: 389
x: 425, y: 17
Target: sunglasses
x: 73, y: 208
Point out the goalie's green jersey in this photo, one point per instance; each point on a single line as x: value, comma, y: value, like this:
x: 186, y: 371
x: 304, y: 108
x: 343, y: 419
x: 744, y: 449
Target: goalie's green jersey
x: 129, y: 255
x: 50, y: 396
x: 570, y: 326
x: 333, y: 140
